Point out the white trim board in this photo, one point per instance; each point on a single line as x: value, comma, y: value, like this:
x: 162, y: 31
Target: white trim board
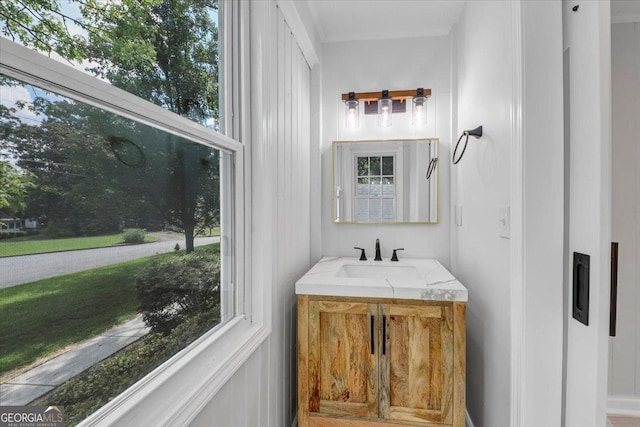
x: 518, y: 303
x: 299, y: 31
x: 623, y: 405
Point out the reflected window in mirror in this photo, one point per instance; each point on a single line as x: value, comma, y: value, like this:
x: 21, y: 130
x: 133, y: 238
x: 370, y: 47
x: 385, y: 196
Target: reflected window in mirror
x: 375, y: 188
x: 385, y: 181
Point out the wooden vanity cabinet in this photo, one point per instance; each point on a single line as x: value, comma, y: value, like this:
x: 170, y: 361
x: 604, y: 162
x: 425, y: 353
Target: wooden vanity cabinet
x: 380, y: 362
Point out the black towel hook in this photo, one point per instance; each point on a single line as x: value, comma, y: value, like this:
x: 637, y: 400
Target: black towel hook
x: 477, y: 133
x: 431, y: 167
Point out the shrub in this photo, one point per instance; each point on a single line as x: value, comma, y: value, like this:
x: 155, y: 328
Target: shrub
x: 56, y: 230
x: 11, y: 234
x: 135, y: 235
x: 174, y: 289
x: 86, y: 393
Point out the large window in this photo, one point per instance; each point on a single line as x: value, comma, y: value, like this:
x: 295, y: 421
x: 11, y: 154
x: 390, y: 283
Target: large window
x: 119, y: 218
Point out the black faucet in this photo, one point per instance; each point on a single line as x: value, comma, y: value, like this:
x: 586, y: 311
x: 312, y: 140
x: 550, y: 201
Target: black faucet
x: 378, y: 256
x: 394, y: 257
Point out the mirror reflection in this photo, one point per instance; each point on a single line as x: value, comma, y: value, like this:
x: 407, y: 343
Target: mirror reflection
x: 390, y: 181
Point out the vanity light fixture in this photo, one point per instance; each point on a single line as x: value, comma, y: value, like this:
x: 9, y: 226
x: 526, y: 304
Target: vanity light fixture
x: 384, y: 104
x: 419, y: 111
x: 352, y: 111
x: 385, y: 109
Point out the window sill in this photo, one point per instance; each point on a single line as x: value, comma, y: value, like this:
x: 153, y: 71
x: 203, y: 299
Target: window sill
x: 175, y: 392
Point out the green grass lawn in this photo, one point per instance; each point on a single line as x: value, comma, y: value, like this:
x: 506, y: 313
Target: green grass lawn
x: 26, y: 246
x: 44, y: 316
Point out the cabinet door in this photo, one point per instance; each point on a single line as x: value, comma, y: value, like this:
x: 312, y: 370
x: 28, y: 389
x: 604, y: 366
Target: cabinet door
x: 343, y: 358
x: 417, y: 363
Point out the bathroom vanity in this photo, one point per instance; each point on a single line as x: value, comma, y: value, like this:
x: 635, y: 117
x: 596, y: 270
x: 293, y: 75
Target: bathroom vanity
x: 380, y: 344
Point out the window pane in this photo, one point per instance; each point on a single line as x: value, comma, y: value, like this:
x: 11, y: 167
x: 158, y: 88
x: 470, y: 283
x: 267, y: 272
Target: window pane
x: 388, y: 189
x: 387, y: 165
x: 165, y: 51
x: 363, y: 166
x: 363, y: 187
x: 375, y: 165
x: 362, y: 209
x: 376, y: 187
x: 388, y: 210
x: 141, y: 209
x: 375, y: 209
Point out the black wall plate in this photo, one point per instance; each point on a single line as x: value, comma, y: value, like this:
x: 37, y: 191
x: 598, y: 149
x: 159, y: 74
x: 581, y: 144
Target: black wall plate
x: 581, y: 287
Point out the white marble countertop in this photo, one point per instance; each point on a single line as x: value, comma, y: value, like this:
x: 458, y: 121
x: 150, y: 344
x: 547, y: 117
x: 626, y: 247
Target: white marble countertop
x: 417, y: 278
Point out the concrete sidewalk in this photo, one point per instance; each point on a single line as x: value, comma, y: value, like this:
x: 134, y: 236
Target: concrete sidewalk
x: 43, y: 378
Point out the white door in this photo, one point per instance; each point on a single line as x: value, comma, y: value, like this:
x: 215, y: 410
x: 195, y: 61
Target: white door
x: 588, y: 186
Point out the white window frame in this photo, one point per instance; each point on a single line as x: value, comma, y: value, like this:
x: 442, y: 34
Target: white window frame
x: 176, y: 391
x: 346, y: 200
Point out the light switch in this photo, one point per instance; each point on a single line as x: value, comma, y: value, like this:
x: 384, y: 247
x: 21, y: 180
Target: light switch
x: 459, y: 215
x: 504, y: 222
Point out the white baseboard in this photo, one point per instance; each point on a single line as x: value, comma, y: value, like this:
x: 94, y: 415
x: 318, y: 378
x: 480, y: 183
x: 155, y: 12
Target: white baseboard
x: 624, y: 405
x: 468, y: 418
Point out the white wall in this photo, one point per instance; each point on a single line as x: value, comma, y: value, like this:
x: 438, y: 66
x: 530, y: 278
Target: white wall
x: 263, y: 391
x: 624, y: 360
x: 508, y: 78
x: 365, y: 66
x: 480, y: 259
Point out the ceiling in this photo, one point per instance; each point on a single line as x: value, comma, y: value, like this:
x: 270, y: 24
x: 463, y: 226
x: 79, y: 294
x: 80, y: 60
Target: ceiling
x: 348, y: 20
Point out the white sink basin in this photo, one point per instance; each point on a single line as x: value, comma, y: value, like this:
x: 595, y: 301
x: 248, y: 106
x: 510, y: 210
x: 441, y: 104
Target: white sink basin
x: 409, y: 278
x: 396, y: 272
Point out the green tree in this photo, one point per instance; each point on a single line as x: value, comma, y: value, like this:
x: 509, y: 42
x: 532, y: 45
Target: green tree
x: 74, y: 169
x: 165, y: 51
x: 13, y: 188
x: 86, y: 189
x: 42, y: 25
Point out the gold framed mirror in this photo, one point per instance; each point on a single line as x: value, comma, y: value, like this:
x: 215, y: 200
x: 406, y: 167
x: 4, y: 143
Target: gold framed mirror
x: 386, y: 181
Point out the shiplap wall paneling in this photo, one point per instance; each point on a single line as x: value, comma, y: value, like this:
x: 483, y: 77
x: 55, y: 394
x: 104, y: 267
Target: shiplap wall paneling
x: 263, y: 391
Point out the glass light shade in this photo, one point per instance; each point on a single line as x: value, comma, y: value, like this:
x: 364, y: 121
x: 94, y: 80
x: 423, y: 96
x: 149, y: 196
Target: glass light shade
x: 352, y: 113
x: 385, y: 109
x: 419, y: 113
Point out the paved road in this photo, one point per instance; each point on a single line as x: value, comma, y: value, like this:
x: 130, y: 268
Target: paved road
x: 29, y: 268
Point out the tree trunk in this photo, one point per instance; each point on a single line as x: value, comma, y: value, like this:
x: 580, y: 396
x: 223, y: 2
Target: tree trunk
x: 188, y: 238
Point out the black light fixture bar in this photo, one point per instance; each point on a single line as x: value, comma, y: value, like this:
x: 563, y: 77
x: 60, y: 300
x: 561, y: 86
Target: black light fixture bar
x: 393, y: 94
x: 399, y: 106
